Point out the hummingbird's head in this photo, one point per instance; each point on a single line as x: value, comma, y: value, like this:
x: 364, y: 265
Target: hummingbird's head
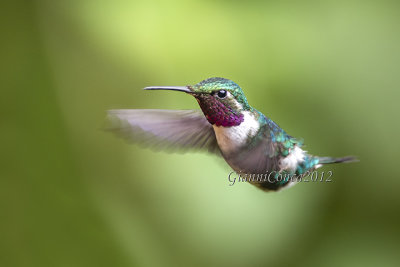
x: 221, y: 100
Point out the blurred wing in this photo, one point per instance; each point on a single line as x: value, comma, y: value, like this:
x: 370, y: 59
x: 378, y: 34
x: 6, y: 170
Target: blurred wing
x: 171, y: 130
x: 260, y: 156
x: 263, y: 155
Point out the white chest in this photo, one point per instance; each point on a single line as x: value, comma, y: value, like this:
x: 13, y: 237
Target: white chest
x: 232, y: 138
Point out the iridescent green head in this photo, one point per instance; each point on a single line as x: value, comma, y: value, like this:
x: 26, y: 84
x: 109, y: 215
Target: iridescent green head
x: 215, y: 85
x: 221, y: 100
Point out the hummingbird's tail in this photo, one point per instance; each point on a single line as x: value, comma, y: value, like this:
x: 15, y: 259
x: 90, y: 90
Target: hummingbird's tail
x: 329, y: 160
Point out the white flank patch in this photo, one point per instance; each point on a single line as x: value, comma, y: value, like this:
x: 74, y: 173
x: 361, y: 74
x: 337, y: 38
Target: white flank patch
x: 290, y: 162
x: 231, y: 138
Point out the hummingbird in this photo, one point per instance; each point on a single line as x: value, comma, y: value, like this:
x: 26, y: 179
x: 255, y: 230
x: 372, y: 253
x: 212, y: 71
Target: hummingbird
x: 225, y: 125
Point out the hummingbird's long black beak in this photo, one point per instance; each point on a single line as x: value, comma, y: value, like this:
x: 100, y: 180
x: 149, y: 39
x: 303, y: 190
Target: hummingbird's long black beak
x: 185, y: 89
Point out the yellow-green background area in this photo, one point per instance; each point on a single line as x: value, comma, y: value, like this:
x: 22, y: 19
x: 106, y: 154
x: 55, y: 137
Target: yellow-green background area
x: 73, y: 195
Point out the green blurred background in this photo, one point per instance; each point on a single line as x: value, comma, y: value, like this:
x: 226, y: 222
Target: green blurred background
x: 72, y: 195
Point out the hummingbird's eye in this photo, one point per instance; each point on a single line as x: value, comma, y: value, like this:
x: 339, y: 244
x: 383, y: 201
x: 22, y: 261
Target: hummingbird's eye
x: 221, y: 93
